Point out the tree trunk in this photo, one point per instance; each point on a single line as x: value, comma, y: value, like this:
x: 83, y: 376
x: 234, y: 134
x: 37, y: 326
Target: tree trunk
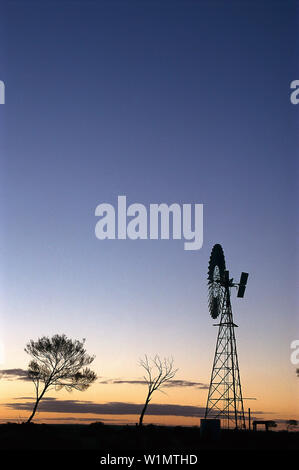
x: 143, y: 411
x: 34, y: 411
x: 38, y: 399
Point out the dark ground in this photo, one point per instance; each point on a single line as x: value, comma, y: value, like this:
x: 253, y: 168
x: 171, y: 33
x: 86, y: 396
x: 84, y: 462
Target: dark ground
x: 93, y: 441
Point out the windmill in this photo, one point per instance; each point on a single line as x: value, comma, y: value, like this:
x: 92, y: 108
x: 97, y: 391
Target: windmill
x: 225, y: 401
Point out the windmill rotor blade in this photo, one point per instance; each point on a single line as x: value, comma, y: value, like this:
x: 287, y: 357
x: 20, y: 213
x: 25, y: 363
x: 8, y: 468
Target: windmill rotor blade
x: 216, y: 276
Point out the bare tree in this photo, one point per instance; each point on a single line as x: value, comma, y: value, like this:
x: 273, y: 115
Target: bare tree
x: 157, y: 373
x: 58, y: 362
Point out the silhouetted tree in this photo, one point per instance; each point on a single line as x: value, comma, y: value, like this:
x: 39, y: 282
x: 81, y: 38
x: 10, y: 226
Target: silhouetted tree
x: 157, y: 372
x: 58, y: 362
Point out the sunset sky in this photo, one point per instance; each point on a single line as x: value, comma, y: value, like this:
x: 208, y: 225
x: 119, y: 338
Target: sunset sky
x: 161, y: 101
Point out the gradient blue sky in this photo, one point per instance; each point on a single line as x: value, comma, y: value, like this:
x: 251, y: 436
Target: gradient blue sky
x: 163, y: 101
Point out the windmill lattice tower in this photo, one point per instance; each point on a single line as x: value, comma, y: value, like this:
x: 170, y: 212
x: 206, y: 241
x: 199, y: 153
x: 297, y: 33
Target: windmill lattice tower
x: 225, y: 401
